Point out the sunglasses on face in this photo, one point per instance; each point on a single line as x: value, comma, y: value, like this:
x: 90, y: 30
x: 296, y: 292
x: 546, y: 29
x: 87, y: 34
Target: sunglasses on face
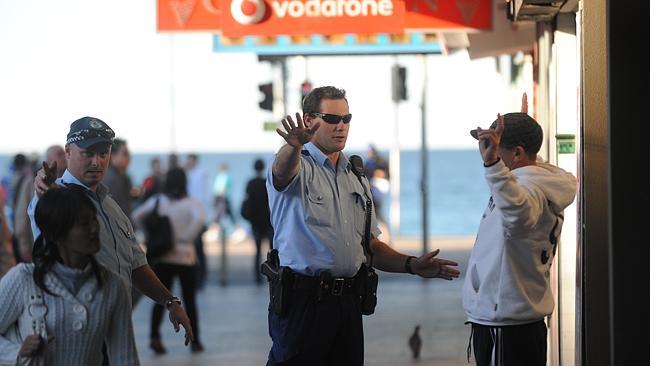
x: 333, y: 119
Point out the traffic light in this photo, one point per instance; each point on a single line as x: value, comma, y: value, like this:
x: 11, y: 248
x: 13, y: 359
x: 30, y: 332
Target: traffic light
x: 267, y: 92
x: 399, y: 83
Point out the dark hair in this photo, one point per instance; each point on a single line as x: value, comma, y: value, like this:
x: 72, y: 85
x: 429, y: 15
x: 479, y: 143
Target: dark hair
x: 20, y: 160
x: 57, y: 211
x: 258, y: 165
x: 175, y: 183
x: 118, y: 144
x: 312, y: 101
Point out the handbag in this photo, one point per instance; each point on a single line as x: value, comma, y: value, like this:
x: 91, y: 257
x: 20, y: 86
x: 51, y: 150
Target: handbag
x: 158, y: 234
x: 34, y: 313
x: 246, y: 210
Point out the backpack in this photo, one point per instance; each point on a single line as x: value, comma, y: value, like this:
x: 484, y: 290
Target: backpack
x: 159, y: 237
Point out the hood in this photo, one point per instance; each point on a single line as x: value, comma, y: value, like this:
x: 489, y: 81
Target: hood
x: 558, y: 185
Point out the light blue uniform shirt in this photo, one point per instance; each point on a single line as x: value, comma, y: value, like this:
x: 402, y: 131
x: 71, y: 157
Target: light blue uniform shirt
x: 119, y: 250
x: 319, y: 218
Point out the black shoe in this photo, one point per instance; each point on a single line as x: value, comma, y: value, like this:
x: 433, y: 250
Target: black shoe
x: 157, y: 346
x: 197, y: 347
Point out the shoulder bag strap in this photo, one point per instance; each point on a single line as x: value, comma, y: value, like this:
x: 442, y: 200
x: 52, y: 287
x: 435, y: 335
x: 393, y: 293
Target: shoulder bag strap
x: 357, y: 169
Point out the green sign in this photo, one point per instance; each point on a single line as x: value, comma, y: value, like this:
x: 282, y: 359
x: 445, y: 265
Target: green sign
x: 566, y: 143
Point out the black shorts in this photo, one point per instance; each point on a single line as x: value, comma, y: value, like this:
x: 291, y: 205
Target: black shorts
x: 512, y: 345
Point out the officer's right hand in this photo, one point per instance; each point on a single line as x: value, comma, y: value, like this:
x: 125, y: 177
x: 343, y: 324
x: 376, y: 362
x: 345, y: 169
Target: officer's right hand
x: 45, y: 178
x: 299, y: 135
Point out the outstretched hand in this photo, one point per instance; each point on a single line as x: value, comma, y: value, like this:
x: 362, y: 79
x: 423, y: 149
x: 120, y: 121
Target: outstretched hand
x: 429, y: 266
x: 45, y: 178
x: 296, y: 135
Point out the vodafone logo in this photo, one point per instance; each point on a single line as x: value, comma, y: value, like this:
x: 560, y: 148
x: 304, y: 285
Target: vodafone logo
x: 247, y: 11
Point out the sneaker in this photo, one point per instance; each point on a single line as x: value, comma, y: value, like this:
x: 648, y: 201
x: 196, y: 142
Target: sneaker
x: 197, y: 347
x: 157, y: 346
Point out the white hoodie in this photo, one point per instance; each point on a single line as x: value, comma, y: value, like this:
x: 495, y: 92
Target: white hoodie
x: 507, y: 278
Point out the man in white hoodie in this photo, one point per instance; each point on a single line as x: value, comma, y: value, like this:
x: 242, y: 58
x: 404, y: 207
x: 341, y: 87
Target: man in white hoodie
x: 506, y: 294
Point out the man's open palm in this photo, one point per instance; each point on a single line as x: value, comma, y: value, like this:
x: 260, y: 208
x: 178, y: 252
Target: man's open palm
x: 296, y: 135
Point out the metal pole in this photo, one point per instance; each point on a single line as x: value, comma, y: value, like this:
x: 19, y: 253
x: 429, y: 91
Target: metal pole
x: 223, y: 278
x: 285, y: 78
x: 394, y: 181
x: 425, y: 175
x: 172, y: 97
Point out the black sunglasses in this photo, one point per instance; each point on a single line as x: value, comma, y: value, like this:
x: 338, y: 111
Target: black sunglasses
x: 332, y: 119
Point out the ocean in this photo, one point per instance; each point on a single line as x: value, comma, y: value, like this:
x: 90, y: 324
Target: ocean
x: 457, y: 190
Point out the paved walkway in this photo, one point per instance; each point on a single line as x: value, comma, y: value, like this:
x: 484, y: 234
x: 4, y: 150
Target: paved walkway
x: 234, y: 327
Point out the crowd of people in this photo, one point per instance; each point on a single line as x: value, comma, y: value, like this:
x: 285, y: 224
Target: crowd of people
x: 72, y: 267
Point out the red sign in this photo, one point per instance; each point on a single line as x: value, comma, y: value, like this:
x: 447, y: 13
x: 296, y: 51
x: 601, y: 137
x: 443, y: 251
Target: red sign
x: 189, y: 15
x: 448, y: 14
x: 326, y: 17
x: 305, y: 17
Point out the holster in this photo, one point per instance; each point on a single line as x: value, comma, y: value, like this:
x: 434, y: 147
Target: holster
x: 279, y: 279
x: 368, y: 281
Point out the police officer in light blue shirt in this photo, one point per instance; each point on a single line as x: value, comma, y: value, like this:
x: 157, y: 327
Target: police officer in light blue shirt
x: 318, y: 214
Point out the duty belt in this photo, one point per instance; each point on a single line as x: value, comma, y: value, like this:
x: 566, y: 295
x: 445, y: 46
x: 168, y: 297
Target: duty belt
x: 335, y: 286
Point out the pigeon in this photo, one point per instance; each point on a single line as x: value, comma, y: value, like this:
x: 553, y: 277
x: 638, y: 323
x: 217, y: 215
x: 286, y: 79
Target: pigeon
x: 415, y: 343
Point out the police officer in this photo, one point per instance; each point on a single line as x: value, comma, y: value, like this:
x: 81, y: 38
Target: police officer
x: 88, y: 151
x: 318, y: 215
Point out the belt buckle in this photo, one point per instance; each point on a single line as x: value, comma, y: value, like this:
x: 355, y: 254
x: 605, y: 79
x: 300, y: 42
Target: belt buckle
x: 337, y: 286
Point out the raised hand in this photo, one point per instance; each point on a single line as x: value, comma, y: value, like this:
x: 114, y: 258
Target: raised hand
x: 524, y: 103
x: 488, y: 140
x: 429, y: 266
x: 45, y: 178
x: 296, y: 135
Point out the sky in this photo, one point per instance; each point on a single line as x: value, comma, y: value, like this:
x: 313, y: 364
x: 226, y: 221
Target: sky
x: 65, y: 59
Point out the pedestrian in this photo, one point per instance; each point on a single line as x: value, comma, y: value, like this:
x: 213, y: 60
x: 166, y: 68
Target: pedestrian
x: 60, y: 309
x: 88, y: 151
x: 187, y: 218
x: 255, y: 209
x: 117, y: 179
x: 222, y: 190
x: 506, y: 293
x: 22, y: 228
x: 318, y: 211
x: 198, y: 190
x: 7, y: 259
x: 152, y: 184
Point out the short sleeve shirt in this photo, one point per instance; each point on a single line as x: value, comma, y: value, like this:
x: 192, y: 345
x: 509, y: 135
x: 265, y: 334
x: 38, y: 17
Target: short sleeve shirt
x: 319, y: 218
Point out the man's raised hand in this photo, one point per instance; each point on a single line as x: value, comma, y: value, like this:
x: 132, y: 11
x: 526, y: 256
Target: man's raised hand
x: 44, y: 178
x: 296, y: 135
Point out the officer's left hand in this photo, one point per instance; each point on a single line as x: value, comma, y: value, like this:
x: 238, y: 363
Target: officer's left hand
x: 429, y: 266
x: 177, y: 315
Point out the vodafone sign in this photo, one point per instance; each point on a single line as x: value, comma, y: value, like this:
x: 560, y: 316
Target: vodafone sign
x: 304, y: 17
x: 234, y: 18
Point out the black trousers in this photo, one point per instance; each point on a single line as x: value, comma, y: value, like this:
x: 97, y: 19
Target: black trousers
x: 187, y: 276
x: 513, y: 345
x: 317, y: 333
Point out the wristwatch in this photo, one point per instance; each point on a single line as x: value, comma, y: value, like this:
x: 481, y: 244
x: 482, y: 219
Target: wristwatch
x: 172, y: 300
x: 407, y: 265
